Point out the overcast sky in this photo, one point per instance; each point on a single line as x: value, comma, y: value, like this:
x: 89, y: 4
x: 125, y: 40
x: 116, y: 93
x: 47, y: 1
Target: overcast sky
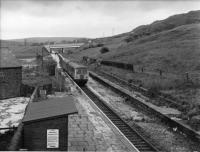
x: 29, y: 18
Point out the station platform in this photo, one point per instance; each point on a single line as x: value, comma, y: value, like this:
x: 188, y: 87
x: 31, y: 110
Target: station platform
x: 89, y: 132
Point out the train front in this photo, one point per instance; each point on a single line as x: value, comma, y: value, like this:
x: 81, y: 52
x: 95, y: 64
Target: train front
x: 81, y: 75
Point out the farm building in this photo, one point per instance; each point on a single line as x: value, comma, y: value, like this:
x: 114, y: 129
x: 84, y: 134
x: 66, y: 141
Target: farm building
x: 46, y: 124
x: 10, y: 74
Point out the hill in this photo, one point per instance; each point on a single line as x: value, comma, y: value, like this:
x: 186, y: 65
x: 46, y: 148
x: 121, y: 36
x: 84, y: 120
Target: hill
x: 175, y: 50
x: 49, y: 39
x: 171, y: 44
x: 28, y: 47
x: 163, y: 25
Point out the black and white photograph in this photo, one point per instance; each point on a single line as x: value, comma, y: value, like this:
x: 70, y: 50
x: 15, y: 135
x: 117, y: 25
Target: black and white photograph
x: 100, y: 75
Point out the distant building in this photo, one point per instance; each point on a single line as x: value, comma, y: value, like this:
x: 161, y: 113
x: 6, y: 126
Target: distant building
x: 10, y: 74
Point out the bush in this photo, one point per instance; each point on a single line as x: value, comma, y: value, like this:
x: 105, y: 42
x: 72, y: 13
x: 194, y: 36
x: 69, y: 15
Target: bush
x: 153, y: 91
x: 35, y: 44
x: 100, y: 45
x: 104, y: 50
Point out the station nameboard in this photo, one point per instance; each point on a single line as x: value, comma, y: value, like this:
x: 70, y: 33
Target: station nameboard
x: 52, y: 138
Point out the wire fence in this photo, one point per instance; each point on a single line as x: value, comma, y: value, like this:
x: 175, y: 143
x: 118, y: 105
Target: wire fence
x: 192, y: 78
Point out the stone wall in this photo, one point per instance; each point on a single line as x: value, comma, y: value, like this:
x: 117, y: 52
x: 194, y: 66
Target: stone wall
x: 10, y: 82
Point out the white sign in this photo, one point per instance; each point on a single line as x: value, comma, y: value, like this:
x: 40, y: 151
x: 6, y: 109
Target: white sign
x: 52, y: 138
x: 43, y: 92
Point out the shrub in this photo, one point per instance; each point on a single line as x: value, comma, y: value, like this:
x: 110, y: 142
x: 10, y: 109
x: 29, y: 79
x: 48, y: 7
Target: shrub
x: 104, y: 50
x: 100, y: 45
x: 35, y: 44
x: 153, y: 90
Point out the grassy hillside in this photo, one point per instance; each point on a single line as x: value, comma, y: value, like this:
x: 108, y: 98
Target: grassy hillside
x: 163, y: 25
x: 20, y: 50
x: 175, y: 50
x: 171, y: 44
x: 34, y: 45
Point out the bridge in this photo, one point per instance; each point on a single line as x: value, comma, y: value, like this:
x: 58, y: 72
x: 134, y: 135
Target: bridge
x: 60, y: 47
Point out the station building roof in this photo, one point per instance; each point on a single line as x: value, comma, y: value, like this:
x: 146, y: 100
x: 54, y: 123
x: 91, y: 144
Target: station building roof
x: 50, y: 108
x: 8, y: 59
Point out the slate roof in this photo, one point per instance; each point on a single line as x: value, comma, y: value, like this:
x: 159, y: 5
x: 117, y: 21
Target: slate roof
x: 50, y: 108
x: 8, y: 59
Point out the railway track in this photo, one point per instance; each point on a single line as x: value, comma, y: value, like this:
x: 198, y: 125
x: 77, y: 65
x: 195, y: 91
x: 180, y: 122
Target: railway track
x: 144, y: 91
x: 192, y: 134
x: 130, y: 133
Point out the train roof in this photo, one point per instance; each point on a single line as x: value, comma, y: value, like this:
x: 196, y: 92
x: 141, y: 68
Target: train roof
x: 76, y: 65
x: 73, y: 64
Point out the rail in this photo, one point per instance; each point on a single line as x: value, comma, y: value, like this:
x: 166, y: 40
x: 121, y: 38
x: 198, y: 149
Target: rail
x: 129, y: 132
x: 164, y: 118
x: 106, y: 119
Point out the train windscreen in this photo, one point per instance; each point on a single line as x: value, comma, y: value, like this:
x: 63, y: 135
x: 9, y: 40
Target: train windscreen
x: 82, y: 71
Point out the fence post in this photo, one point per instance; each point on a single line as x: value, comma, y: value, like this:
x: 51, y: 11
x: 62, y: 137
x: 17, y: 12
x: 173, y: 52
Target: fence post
x: 142, y: 69
x: 133, y: 68
x: 160, y: 71
x: 187, y: 76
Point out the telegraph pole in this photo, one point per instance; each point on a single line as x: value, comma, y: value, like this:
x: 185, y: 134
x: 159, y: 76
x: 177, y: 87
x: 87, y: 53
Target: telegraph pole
x: 42, y: 60
x: 25, y: 42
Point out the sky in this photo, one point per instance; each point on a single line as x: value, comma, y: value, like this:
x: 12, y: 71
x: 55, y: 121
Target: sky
x: 91, y: 19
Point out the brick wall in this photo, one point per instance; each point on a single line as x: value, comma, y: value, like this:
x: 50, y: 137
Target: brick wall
x: 10, y: 82
x: 35, y: 134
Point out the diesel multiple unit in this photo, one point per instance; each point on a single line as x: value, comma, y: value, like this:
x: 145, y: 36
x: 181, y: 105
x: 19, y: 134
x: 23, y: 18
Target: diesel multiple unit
x: 77, y: 72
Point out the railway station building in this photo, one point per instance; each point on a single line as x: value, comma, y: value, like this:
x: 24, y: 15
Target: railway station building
x: 10, y: 74
x: 45, y: 124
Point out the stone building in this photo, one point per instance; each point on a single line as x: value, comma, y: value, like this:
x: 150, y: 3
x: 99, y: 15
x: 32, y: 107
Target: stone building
x: 45, y: 124
x: 10, y: 74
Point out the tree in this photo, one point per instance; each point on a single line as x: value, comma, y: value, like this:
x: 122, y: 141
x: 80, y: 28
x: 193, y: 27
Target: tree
x: 104, y: 50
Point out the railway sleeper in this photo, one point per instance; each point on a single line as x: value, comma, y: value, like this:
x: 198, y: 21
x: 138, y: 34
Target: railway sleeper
x: 129, y: 132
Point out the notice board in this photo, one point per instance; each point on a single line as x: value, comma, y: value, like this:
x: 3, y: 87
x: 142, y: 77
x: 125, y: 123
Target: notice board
x: 52, y: 138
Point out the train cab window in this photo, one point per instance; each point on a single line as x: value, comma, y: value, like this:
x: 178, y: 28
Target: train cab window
x: 78, y: 71
x: 81, y: 71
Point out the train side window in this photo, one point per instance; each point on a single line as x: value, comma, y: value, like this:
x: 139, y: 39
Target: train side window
x: 78, y: 71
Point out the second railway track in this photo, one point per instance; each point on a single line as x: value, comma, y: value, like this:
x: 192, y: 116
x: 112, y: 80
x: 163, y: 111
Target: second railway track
x: 132, y: 135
